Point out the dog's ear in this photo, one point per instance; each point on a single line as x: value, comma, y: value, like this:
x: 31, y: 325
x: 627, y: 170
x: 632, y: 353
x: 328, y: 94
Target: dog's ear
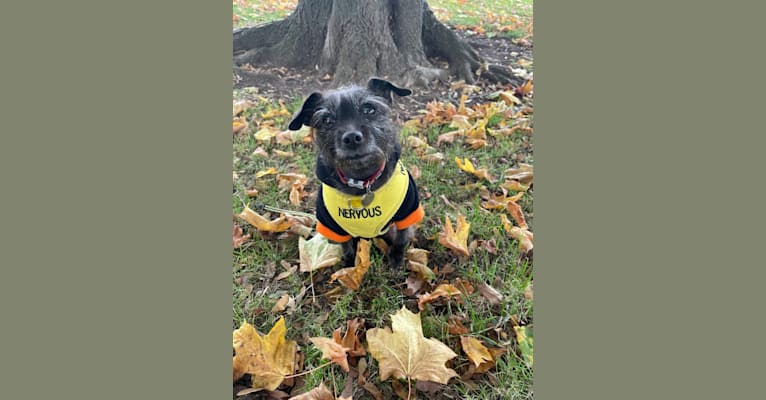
x: 303, y: 116
x: 383, y: 88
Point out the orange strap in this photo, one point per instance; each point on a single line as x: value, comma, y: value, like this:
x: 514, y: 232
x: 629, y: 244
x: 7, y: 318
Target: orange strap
x: 411, y: 219
x: 328, y: 233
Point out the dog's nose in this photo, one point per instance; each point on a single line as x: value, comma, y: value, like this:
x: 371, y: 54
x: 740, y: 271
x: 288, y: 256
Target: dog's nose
x: 352, y: 138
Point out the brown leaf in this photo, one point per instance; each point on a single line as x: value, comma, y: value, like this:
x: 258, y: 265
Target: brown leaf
x: 415, y: 172
x: 373, y: 390
x: 332, y: 351
x: 455, y: 326
x: 281, y: 303
x: 465, y: 287
x: 455, y: 240
x: 350, y: 340
x: 280, y: 224
x: 490, y: 293
x: 320, y: 392
x: 528, y: 292
x: 239, y: 124
x: 238, y: 237
x: 414, y: 284
x: 404, y: 353
x: 268, y: 359
x: 515, y: 210
x: 443, y: 290
x: 352, y: 277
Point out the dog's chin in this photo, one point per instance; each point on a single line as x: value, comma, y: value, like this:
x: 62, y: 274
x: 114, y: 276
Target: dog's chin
x: 360, y: 166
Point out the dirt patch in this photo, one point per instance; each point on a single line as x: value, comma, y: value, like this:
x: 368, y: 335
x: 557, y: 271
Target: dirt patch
x: 288, y: 83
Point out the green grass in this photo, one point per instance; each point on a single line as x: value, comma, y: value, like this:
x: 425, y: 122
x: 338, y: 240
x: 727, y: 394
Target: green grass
x: 255, y: 291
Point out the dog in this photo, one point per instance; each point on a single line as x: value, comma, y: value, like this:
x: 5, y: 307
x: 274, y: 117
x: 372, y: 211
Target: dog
x: 365, y: 190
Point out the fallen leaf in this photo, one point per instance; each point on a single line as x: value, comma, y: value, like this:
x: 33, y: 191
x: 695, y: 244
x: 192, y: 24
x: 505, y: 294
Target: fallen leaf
x: 320, y: 392
x: 467, y: 166
x: 475, y: 350
x: 280, y: 224
x: 283, y: 154
x: 421, y: 271
x: 265, y: 134
x: 524, y: 173
x: 331, y: 350
x: 238, y: 237
x: 528, y: 292
x: 414, y: 284
x: 251, y: 193
x: 490, y: 293
x: 404, y: 353
x: 455, y: 240
x: 283, y: 303
x: 318, y: 253
x: 455, y: 326
x: 350, y: 340
x: 525, y: 238
x: 526, y: 343
x: 260, y: 152
x: 239, y: 124
x: 444, y: 290
x: 352, y: 277
x: 495, y: 352
x: 373, y: 390
x: 515, y: 210
x: 262, y: 173
x: 433, y: 157
x: 268, y: 359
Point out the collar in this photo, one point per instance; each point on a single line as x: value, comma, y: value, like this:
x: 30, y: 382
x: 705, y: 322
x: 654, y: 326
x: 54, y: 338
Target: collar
x: 361, y: 184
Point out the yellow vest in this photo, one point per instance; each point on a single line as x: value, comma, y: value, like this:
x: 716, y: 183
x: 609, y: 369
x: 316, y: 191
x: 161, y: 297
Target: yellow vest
x: 370, y: 221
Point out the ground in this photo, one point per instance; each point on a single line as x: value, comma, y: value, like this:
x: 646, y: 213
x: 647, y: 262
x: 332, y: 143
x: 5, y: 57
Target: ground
x: 264, y: 266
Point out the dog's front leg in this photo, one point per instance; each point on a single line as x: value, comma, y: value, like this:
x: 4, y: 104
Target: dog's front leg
x: 349, y: 252
x: 398, y: 242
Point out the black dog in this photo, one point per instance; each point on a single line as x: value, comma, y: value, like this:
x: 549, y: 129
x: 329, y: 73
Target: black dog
x: 366, y: 192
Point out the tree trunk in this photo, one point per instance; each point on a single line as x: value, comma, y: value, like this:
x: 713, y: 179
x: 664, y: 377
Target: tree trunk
x: 352, y: 40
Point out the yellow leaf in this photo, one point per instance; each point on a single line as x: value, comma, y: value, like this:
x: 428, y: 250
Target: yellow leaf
x: 268, y: 359
x: 332, y: 351
x: 352, y: 277
x: 404, y: 353
x: 318, y: 253
x: 265, y: 134
x: 526, y: 343
x: 460, y: 122
x: 238, y: 124
x: 475, y: 350
x: 262, y: 173
x: 456, y: 240
x: 280, y: 224
x: 465, y: 164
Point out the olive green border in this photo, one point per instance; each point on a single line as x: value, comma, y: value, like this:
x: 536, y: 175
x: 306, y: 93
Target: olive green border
x: 116, y: 211
x: 647, y: 196
x: 115, y: 160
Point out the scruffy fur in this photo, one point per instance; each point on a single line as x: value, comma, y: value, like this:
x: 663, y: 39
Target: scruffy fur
x: 354, y: 133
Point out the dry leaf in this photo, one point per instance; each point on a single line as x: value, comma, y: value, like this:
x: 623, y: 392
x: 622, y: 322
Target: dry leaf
x: 332, y: 351
x: 444, y: 290
x: 523, y: 173
x: 260, y: 152
x: 467, y: 166
x: 280, y: 224
x: 433, y: 157
x: 457, y: 241
x: 268, y: 359
x: 490, y: 293
x: 475, y: 350
x: 262, y: 173
x: 238, y: 237
x: 282, y: 303
x: 526, y: 343
x: 528, y: 292
x: 350, y: 340
x: 320, y: 392
x: 403, y: 352
x: 455, y: 326
x: 239, y: 124
x: 318, y: 253
x: 265, y: 134
x: 515, y: 210
x: 352, y: 277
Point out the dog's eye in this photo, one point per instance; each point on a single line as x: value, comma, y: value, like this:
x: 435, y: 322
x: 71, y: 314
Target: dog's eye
x: 327, y: 120
x: 368, y: 109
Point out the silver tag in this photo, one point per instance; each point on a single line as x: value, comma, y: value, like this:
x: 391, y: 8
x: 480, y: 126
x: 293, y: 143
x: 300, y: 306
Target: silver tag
x: 367, y: 199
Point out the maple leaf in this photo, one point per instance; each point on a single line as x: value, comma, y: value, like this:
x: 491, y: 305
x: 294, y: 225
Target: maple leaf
x: 280, y: 224
x: 320, y: 392
x: 443, y: 290
x: 403, y: 352
x: 457, y: 241
x: 268, y: 359
x: 352, y: 277
x: 331, y: 350
x: 318, y: 253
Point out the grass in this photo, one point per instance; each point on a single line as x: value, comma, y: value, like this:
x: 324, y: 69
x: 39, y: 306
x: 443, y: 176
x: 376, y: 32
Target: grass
x: 512, y: 18
x: 255, y: 289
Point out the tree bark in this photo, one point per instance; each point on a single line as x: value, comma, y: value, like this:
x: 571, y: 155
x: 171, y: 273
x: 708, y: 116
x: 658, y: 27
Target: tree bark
x: 352, y: 40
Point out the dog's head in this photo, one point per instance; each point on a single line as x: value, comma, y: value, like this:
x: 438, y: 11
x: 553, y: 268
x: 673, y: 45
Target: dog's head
x: 352, y: 126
